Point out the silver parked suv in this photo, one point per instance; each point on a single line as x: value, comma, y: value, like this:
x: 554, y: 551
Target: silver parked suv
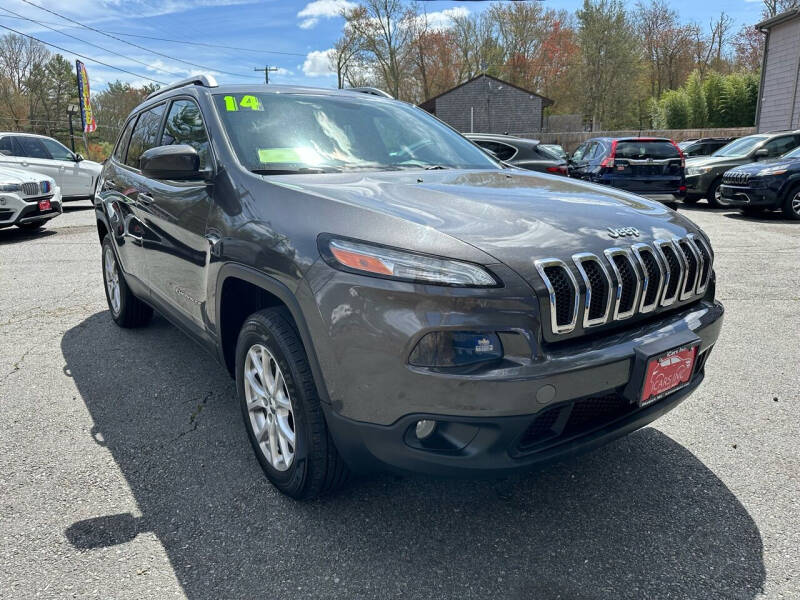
x: 27, y: 199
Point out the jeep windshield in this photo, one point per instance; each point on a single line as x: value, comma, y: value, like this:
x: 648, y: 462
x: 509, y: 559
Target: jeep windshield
x: 741, y: 147
x: 304, y: 133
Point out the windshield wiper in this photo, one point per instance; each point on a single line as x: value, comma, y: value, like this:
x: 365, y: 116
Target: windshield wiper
x: 297, y: 171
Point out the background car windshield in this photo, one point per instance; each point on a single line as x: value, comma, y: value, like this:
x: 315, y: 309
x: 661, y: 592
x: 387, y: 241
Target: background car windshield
x: 740, y: 147
x: 638, y: 150
x: 283, y: 132
x: 793, y: 153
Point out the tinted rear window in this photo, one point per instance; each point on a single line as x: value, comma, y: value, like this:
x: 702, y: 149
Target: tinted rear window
x: 639, y: 150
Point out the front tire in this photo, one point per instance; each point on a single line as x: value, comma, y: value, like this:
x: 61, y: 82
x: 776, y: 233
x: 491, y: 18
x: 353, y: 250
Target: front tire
x: 281, y: 408
x: 791, y: 206
x: 714, y: 198
x: 126, y: 309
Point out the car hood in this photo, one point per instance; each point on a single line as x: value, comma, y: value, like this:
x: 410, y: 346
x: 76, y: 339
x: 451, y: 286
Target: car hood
x: 512, y: 215
x: 11, y: 175
x: 753, y: 168
x: 712, y: 161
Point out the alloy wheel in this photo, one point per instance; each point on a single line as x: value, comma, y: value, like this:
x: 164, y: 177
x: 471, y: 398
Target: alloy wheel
x: 112, y: 280
x: 269, y: 407
x: 796, y: 204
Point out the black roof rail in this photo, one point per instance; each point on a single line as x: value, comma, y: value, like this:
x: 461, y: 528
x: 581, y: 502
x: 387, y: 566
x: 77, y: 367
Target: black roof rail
x: 372, y: 91
x: 203, y: 80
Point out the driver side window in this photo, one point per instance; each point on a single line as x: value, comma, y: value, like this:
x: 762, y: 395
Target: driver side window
x: 58, y: 151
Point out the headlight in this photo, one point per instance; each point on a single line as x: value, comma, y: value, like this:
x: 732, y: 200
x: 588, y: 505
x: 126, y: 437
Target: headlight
x: 10, y: 187
x: 693, y: 171
x: 377, y: 261
x: 772, y: 171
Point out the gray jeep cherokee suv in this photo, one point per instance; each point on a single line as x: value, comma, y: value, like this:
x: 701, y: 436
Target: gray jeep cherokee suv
x: 386, y: 294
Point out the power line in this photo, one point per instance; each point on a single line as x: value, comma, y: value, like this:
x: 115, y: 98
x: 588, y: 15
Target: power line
x: 207, y: 68
x: 150, y: 37
x: 149, y: 66
x: 100, y: 62
x: 185, y: 42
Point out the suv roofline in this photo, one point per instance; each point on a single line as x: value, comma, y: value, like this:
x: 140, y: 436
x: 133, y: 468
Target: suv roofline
x: 203, y: 80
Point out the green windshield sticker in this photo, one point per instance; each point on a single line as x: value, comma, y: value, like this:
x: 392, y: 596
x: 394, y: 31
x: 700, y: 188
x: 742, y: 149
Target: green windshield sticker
x: 278, y: 155
x: 250, y: 102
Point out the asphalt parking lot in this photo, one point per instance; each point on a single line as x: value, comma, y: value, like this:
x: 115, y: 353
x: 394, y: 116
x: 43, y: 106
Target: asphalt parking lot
x: 125, y: 471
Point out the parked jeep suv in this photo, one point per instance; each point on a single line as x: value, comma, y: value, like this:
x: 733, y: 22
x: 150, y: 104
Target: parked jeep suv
x: 769, y: 185
x: 704, y: 174
x: 386, y: 294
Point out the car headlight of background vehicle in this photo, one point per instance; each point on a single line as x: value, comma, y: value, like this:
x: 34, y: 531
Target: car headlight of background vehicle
x: 389, y: 263
x: 772, y: 171
x: 693, y: 171
x: 10, y: 187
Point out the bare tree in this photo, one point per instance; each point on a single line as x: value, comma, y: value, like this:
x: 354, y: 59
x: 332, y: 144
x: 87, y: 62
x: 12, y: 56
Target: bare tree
x: 384, y: 29
x: 19, y: 57
x: 774, y: 7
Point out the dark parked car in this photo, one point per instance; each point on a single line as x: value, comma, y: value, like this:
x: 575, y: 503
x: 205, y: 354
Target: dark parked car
x: 386, y: 294
x: 768, y: 185
x: 647, y: 166
x: 704, y: 146
x: 521, y: 152
x: 556, y: 149
x: 704, y: 174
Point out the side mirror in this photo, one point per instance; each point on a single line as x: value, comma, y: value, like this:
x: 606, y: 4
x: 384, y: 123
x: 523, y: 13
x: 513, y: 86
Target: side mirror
x: 180, y: 162
x: 78, y: 158
x: 761, y: 153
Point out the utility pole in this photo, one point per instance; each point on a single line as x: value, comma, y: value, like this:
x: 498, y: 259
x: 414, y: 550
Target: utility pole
x: 267, y: 70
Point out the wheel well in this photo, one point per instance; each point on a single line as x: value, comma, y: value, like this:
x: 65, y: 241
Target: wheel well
x: 239, y: 300
x: 101, y: 230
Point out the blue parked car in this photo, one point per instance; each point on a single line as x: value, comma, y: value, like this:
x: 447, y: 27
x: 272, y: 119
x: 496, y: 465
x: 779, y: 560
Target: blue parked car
x: 762, y: 186
x: 646, y: 166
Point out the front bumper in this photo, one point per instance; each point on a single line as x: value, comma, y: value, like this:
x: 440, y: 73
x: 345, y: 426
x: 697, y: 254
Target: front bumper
x: 747, y: 196
x: 486, y: 426
x: 15, y: 210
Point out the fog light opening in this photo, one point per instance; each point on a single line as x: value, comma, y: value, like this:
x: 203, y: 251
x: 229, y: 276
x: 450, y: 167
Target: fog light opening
x: 425, y: 429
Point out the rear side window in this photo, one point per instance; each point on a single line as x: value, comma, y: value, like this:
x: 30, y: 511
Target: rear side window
x: 122, y: 144
x: 501, y: 151
x: 8, y: 146
x: 33, y: 147
x: 638, y: 150
x: 145, y: 135
x: 184, y: 125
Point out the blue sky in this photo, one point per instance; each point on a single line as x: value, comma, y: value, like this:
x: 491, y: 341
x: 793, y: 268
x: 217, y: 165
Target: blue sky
x: 291, y: 35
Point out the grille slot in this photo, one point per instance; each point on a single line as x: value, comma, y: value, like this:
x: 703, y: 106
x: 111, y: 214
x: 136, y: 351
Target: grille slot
x: 562, y: 290
x: 674, y: 271
x: 30, y: 189
x: 598, y: 288
x: 692, y: 259
x: 628, y: 283
x: 653, y: 274
x: 705, y: 263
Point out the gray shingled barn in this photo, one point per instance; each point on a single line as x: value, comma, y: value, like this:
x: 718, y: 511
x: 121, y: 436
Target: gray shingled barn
x: 779, y: 94
x: 485, y: 104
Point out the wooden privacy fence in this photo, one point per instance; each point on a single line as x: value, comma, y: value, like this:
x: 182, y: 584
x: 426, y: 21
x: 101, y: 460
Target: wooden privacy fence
x: 572, y: 139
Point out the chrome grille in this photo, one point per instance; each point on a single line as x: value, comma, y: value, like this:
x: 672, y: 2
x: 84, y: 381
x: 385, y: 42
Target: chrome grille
x: 30, y: 189
x: 735, y: 178
x: 625, y: 281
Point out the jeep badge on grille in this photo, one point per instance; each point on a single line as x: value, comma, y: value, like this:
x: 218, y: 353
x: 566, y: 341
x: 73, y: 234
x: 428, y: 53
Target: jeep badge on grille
x: 619, y: 232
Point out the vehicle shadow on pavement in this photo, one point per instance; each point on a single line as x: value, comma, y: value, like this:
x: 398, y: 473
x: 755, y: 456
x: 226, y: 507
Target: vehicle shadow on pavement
x: 640, y: 518
x: 13, y: 235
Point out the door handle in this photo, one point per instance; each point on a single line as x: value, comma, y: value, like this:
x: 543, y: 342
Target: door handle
x: 145, y: 198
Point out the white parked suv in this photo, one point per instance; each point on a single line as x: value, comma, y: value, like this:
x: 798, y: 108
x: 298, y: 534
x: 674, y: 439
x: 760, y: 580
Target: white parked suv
x: 27, y: 199
x: 75, y: 176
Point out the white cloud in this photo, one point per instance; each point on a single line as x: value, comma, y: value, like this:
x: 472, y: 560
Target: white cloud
x: 322, y: 9
x: 442, y: 19
x: 318, y: 63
